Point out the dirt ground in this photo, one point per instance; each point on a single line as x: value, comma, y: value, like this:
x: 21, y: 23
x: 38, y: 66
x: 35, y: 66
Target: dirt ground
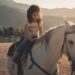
x: 64, y: 63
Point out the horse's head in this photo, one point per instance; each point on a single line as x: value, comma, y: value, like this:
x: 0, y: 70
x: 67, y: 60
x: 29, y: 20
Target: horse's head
x: 70, y: 37
x: 70, y: 41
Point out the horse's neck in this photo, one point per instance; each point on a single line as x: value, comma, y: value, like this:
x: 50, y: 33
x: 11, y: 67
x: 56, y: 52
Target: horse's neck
x: 47, y: 49
x: 46, y: 37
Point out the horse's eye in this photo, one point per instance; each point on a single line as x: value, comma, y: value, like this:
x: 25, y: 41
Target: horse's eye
x: 71, y: 42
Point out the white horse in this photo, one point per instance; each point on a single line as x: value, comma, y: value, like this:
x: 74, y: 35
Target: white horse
x: 47, y: 50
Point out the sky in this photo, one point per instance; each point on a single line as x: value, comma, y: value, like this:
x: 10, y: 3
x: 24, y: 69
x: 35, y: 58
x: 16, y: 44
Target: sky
x: 50, y: 3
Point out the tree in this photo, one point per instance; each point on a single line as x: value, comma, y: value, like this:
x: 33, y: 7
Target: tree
x: 11, y: 30
x: 17, y: 31
x: 1, y: 30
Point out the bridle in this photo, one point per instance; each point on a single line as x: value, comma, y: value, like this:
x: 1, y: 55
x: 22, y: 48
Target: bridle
x: 65, y: 44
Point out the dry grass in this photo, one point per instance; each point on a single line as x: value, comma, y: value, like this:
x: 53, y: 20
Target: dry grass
x: 3, y: 58
x: 65, y: 68
x: 64, y: 64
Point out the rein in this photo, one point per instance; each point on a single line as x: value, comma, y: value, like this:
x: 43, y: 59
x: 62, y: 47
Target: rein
x: 35, y: 63
x: 38, y: 66
x: 65, y: 43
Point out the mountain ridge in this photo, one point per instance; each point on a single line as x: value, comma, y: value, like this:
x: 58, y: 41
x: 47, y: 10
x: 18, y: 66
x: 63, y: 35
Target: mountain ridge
x: 12, y: 13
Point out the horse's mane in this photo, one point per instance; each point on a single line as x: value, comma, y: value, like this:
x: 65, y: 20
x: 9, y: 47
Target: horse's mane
x: 47, y: 34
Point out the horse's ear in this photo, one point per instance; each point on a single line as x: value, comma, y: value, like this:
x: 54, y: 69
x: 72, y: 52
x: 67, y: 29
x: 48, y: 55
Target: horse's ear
x: 66, y: 22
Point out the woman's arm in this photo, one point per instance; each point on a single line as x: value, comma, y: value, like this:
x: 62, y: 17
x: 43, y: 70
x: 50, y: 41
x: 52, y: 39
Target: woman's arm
x: 40, y: 29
